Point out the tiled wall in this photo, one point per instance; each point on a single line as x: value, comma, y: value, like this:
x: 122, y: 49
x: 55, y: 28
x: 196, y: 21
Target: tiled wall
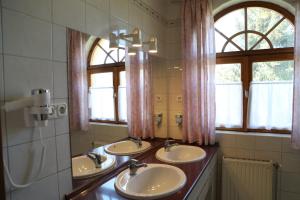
x: 266, y: 147
x: 33, y: 54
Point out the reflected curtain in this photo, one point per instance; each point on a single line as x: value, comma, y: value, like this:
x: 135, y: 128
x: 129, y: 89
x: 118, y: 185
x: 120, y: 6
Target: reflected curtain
x: 139, y: 95
x: 198, y: 72
x: 296, y: 107
x: 77, y: 81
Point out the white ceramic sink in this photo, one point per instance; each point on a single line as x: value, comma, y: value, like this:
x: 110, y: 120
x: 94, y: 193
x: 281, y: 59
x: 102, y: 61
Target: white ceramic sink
x: 84, y: 167
x: 151, y: 182
x: 181, y: 154
x: 126, y: 147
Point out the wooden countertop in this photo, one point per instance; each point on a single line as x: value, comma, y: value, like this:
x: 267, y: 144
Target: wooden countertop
x: 103, y: 188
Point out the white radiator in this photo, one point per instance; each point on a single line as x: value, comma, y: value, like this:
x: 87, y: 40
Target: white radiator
x: 248, y: 179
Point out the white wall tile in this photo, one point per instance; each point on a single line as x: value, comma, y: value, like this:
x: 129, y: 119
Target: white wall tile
x: 3, y: 126
x: 70, y: 13
x: 100, y: 4
x: 59, y: 43
x: 268, y: 155
x: 268, y: 143
x: 65, y: 183
x: 289, y: 196
x: 1, y: 33
x: 226, y: 140
x: 63, y: 151
x: 17, y: 133
x: 290, y: 182
x: 30, y: 73
x: 1, y: 78
x: 45, y: 189
x: 25, y: 159
x: 291, y: 162
x: 119, y: 8
x: 21, y: 32
x: 287, y: 146
x: 60, y: 80
x: 135, y: 15
x: 36, y: 8
x: 245, y: 141
x: 97, y: 21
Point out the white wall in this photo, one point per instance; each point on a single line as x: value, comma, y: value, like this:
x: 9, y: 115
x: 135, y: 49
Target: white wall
x: 33, y: 54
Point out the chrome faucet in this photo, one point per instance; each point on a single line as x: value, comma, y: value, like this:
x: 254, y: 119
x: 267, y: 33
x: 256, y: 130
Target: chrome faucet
x: 168, y: 145
x: 137, y: 141
x: 134, y: 165
x: 96, y: 158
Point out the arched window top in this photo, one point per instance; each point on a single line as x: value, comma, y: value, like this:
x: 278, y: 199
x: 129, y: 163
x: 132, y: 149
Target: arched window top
x: 101, y: 53
x: 253, y: 26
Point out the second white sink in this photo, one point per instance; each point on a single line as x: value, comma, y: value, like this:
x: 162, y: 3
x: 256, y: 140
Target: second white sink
x: 126, y: 147
x: 151, y: 182
x: 84, y: 167
x: 181, y: 154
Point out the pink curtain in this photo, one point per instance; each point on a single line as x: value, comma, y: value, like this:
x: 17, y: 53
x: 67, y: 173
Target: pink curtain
x: 198, y: 72
x: 139, y: 95
x: 296, y: 108
x: 77, y: 81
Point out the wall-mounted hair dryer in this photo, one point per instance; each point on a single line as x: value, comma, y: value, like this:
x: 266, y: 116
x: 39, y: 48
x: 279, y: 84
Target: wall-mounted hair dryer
x: 37, y: 111
x: 37, y: 107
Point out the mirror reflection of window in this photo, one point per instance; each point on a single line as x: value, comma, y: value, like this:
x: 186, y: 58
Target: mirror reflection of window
x: 107, y: 83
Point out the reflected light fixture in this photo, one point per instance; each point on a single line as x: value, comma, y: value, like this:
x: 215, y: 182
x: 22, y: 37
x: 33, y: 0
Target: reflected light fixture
x: 113, y: 41
x: 136, y: 36
x: 152, y: 44
x: 131, y: 51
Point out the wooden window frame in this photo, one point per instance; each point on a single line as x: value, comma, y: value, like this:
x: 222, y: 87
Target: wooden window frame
x: 247, y: 57
x: 115, y: 68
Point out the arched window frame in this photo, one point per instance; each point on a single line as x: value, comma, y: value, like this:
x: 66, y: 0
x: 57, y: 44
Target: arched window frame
x: 247, y: 57
x: 115, y: 68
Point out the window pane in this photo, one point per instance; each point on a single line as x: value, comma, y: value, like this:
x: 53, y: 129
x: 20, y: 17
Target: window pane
x: 252, y: 39
x: 229, y: 95
x: 220, y: 41
x: 240, y: 40
x: 262, y: 45
x: 122, y: 97
x: 262, y: 19
x: 282, y: 35
x: 236, y: 20
x: 271, y: 95
x: 121, y: 54
x: 102, y: 96
x: 230, y: 47
x: 102, y: 80
x: 98, y: 56
x: 102, y: 103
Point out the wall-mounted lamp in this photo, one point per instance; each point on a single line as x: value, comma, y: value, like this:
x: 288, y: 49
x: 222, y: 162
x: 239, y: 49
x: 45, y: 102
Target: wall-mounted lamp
x: 131, y: 51
x: 158, y: 119
x: 136, y: 41
x: 152, y: 44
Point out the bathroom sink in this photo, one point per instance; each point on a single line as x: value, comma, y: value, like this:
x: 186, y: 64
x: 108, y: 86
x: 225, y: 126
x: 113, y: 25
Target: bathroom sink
x: 126, y: 147
x: 151, y: 182
x: 84, y: 167
x: 180, y: 154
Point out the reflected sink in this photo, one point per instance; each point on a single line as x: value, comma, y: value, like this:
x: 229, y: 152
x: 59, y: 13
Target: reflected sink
x: 84, y: 167
x: 126, y: 147
x: 181, y: 154
x: 151, y: 182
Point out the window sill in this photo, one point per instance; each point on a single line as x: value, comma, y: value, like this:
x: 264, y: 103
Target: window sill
x: 253, y: 134
x: 107, y: 124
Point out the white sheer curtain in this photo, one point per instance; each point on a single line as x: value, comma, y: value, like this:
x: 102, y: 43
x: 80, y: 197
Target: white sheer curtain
x: 229, y: 105
x: 270, y: 105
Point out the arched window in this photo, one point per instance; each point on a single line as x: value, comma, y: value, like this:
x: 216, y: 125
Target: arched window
x: 107, y: 83
x: 254, y: 71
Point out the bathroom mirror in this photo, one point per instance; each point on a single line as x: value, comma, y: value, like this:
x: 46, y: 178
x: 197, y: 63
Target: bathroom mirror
x: 104, y: 72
